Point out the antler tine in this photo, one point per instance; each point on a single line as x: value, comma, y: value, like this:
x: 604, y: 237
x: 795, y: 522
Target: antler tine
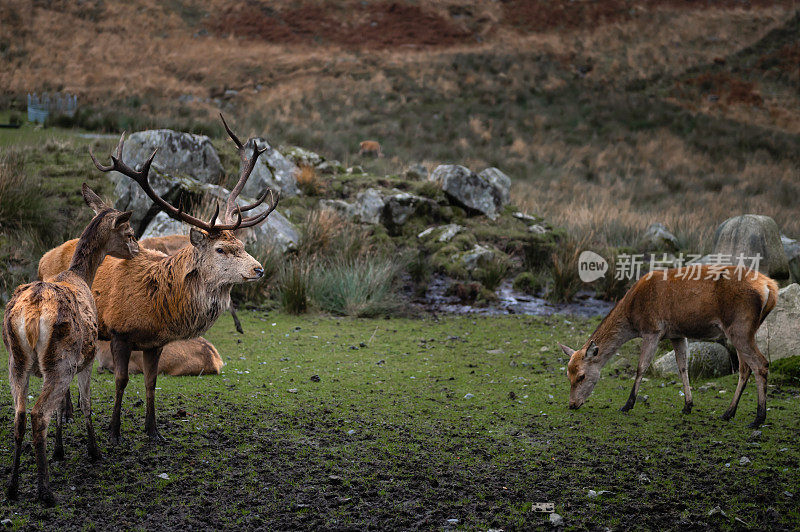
x: 247, y: 165
x: 104, y: 168
x: 231, y: 133
x: 255, y: 220
x: 258, y: 202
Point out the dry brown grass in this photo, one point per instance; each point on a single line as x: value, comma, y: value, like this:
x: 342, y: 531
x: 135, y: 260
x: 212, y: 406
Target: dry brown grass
x: 309, y: 181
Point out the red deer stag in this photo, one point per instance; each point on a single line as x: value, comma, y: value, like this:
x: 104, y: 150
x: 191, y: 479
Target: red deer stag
x: 50, y: 330
x: 690, y: 302
x: 151, y: 300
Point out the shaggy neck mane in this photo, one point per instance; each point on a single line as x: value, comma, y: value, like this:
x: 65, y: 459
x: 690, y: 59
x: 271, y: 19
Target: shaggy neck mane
x: 185, y: 302
x: 90, y: 249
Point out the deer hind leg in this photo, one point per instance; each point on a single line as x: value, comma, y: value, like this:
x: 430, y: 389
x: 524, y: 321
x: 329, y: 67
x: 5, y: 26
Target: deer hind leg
x: 744, y: 374
x: 681, y: 347
x: 61, y: 412
x: 751, y: 356
x: 68, y: 412
x: 19, y: 393
x: 150, y: 360
x: 53, y: 387
x: 121, y: 351
x: 649, y: 345
x: 84, y: 382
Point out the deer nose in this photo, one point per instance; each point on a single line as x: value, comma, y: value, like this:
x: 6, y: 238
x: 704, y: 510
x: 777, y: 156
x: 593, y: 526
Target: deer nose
x: 573, y: 406
x: 259, y: 272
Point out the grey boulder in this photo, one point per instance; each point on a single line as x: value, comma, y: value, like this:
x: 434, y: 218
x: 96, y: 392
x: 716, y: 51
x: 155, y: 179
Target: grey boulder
x: 706, y: 359
x: 752, y: 235
x: 272, y: 170
x: 658, y: 238
x: 779, y: 335
x: 486, y: 193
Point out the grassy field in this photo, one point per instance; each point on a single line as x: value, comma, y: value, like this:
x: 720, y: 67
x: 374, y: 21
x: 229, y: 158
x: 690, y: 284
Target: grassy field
x: 413, y: 423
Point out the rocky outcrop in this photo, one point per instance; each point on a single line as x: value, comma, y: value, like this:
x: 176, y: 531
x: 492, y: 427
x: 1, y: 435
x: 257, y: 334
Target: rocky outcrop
x: 706, y: 359
x: 486, y: 193
x: 752, y: 235
x: 442, y: 233
x: 779, y: 335
x: 301, y: 156
x: 791, y: 248
x: 658, y: 238
x: 400, y: 206
x: 272, y: 170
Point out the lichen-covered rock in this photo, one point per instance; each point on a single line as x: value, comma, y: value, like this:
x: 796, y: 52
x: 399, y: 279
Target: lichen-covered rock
x: 368, y: 206
x: 752, y: 235
x: 658, y: 238
x: 163, y: 225
x: 400, y: 206
x: 416, y: 172
x: 442, y: 233
x: 500, y: 182
x: 706, y: 359
x: 301, y: 156
x: 475, y: 257
x: 791, y: 249
x: 330, y: 167
x: 486, y: 195
x: 272, y: 170
x: 779, y: 335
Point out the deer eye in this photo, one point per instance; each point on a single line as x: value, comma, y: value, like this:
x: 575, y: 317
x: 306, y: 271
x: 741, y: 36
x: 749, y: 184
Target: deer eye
x: 579, y: 379
x: 220, y: 251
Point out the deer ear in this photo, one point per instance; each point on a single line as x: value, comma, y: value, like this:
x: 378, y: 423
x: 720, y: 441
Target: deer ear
x: 122, y: 218
x: 92, y: 199
x: 567, y: 350
x: 196, y: 236
x: 591, y: 351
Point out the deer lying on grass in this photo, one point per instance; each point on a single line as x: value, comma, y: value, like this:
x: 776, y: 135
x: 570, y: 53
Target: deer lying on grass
x: 183, y: 358
x: 152, y: 300
x: 689, y: 302
x: 50, y: 330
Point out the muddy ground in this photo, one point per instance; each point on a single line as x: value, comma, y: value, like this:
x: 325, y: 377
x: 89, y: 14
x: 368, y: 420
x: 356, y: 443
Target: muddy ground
x: 412, y: 424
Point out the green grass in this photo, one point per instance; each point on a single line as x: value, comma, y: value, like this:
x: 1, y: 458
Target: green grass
x: 264, y: 445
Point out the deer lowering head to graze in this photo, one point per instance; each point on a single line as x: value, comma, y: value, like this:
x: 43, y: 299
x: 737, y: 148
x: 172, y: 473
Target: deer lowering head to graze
x: 690, y: 302
x: 370, y: 147
x: 153, y: 299
x: 50, y: 330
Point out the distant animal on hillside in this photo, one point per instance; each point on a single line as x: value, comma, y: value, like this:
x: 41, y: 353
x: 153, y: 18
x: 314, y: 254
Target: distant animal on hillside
x: 696, y: 301
x: 370, y: 147
x: 50, y: 330
x: 192, y: 357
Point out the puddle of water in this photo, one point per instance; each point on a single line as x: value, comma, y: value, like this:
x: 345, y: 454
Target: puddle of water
x: 511, y: 301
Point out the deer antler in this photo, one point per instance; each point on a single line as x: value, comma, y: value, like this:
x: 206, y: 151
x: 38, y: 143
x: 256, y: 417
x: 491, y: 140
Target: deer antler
x: 231, y: 208
x: 248, y: 163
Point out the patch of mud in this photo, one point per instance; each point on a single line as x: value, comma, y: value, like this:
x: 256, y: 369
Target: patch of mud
x: 510, y: 301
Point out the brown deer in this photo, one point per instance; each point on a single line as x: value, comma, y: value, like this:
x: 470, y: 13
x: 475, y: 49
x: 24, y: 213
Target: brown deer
x: 370, y: 147
x: 151, y: 300
x: 690, y: 302
x: 182, y: 358
x: 50, y: 330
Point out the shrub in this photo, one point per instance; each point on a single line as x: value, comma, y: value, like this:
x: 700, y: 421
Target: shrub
x: 529, y: 283
x: 362, y: 287
x: 293, y: 286
x: 492, y: 273
x: 309, y: 181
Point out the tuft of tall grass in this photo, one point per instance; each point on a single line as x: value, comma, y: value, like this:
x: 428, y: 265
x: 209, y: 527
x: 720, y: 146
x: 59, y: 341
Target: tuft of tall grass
x: 320, y: 232
x: 492, y: 273
x: 293, y: 286
x: 258, y: 293
x: 565, y: 273
x: 363, y: 287
x: 22, y: 204
x: 309, y: 181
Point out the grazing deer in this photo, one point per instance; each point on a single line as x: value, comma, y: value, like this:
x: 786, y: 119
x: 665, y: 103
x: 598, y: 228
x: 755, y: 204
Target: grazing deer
x: 370, y: 147
x: 152, y: 300
x: 690, y: 302
x: 50, y: 330
x: 183, y: 358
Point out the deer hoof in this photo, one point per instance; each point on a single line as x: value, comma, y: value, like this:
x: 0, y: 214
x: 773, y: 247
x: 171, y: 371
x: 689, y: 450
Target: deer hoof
x: 756, y: 423
x: 11, y: 492
x: 687, y: 408
x: 47, y: 498
x: 626, y: 407
x: 727, y: 416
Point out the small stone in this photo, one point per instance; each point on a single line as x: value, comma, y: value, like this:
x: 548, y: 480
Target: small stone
x: 292, y: 390
x: 644, y: 479
x: 8, y: 523
x: 544, y: 349
x: 716, y: 510
x: 335, y: 479
x: 452, y: 521
x: 351, y: 432
x: 495, y: 352
x: 755, y: 435
x: 164, y: 476
x: 591, y: 494
x: 788, y: 494
x: 744, y: 460
x: 512, y: 395
x: 537, y: 229
x: 315, y: 378
x: 556, y: 520
x: 469, y: 396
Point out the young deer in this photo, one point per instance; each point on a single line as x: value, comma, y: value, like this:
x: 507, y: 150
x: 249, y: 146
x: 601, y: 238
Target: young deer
x: 689, y: 302
x: 151, y: 300
x: 50, y: 330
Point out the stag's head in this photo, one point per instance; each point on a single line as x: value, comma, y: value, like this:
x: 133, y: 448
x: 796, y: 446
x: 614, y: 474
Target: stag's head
x: 121, y: 242
x: 583, y: 372
x: 220, y: 255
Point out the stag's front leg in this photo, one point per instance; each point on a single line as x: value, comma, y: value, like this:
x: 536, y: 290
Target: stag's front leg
x: 121, y: 351
x: 150, y: 360
x: 681, y: 347
x: 649, y: 345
